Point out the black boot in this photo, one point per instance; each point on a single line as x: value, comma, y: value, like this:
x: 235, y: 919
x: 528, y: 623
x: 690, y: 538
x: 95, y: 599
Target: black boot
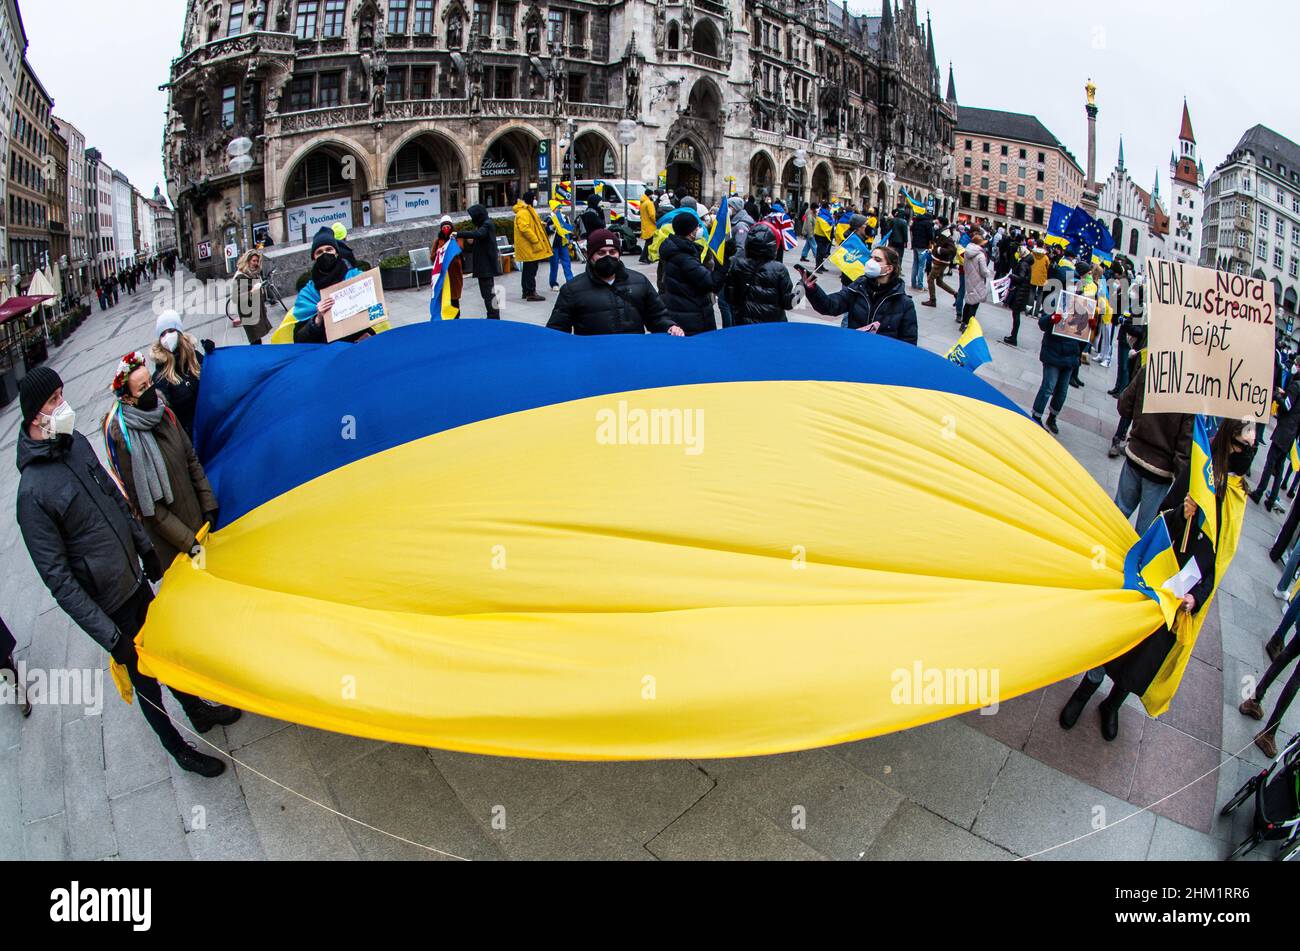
x: 1109, y: 712
x: 1273, y: 648
x: 192, y: 761
x: 204, y: 716
x: 1051, y: 425
x: 1073, y: 708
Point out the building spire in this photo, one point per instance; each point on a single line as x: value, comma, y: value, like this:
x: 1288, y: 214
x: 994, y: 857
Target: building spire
x: 1185, y: 134
x: 1121, y: 153
x: 952, y: 86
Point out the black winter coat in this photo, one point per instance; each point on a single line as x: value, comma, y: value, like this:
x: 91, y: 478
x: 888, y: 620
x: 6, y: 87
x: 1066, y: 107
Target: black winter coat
x: 1021, y: 290
x: 759, y: 288
x: 922, y: 232
x: 587, y: 306
x: 483, y: 256
x: 898, y: 234
x: 83, y: 540
x: 1057, y: 351
x: 867, y: 302
x: 1136, y: 670
x: 687, y: 284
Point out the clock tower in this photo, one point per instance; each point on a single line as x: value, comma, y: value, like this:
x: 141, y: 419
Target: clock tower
x: 1186, y: 196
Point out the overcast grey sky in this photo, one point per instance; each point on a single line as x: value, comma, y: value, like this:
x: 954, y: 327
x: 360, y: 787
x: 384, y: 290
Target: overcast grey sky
x: 103, y: 63
x: 1228, y: 57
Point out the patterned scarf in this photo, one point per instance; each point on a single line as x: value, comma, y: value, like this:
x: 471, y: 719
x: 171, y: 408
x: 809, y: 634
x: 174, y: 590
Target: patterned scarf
x: 148, y: 469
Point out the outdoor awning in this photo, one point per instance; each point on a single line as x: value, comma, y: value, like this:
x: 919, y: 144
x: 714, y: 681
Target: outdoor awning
x: 19, y: 305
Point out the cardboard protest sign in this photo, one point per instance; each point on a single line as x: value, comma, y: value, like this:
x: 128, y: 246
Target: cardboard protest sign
x: 358, y: 303
x: 1077, y: 313
x: 1210, y: 344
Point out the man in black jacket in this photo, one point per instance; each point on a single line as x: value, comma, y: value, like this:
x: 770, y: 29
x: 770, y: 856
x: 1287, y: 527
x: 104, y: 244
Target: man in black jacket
x: 898, y: 229
x: 89, y: 551
x: 607, y: 298
x: 688, y: 285
x: 1279, y: 448
x: 922, y: 235
x: 484, y: 259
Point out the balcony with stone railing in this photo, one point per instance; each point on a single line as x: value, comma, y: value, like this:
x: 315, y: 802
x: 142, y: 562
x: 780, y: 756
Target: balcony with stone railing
x: 310, y: 120
x: 328, y: 117
x: 232, y: 47
x: 715, y: 7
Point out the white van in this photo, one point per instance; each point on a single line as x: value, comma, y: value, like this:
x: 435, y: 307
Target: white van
x: 612, y: 195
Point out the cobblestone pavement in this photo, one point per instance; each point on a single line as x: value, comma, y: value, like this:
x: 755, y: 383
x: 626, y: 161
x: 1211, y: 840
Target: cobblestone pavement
x: 87, y: 786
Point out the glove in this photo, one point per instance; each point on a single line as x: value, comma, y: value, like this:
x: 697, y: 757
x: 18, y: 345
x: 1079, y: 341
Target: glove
x: 1057, y: 318
x: 195, y: 550
x: 152, y: 566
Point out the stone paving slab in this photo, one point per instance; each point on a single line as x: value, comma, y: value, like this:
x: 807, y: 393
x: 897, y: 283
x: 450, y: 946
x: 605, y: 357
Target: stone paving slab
x: 1033, y: 807
x: 915, y: 834
x: 724, y: 825
x: 148, y: 825
x: 827, y: 803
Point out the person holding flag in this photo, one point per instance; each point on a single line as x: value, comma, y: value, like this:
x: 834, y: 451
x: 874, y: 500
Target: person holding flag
x: 688, y: 284
x: 561, y: 240
x: 877, y: 302
x: 1178, y: 563
x: 531, y: 246
x: 648, y: 226
x: 448, y: 274
x: 823, y: 230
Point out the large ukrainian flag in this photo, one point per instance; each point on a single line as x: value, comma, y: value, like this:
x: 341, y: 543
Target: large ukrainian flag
x: 466, y: 535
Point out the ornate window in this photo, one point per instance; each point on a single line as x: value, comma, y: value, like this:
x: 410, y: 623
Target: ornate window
x: 397, y: 10
x: 331, y: 89
x: 235, y: 24
x: 555, y: 26
x: 506, y: 19
x: 423, y: 22
x: 305, y: 24
x: 335, y: 11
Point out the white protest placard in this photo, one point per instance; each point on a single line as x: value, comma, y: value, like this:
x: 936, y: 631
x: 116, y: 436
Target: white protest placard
x: 358, y: 303
x: 1210, y: 342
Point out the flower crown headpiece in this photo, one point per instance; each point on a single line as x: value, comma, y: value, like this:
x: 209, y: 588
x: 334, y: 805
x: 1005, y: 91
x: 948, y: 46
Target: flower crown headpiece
x: 125, y: 367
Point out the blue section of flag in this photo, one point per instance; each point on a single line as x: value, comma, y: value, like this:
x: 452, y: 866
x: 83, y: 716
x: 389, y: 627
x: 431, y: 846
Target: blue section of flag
x: 496, y: 368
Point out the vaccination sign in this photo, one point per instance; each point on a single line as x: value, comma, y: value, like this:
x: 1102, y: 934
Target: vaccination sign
x: 1211, y: 341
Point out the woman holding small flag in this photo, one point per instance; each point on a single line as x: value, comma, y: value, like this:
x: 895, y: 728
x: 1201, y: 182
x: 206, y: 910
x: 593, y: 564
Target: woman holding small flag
x: 1191, y: 546
x: 449, y: 273
x: 876, y: 303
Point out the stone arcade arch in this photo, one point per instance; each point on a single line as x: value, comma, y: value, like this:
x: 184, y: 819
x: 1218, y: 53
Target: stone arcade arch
x: 417, y: 164
x: 762, y: 173
x: 325, y: 182
x: 507, y: 166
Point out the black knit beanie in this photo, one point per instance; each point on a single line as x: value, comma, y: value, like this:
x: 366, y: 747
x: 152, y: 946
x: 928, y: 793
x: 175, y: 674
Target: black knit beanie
x: 36, y: 387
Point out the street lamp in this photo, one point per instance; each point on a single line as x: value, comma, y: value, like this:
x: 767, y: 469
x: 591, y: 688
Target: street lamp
x: 626, y: 136
x: 240, y: 162
x: 800, y: 162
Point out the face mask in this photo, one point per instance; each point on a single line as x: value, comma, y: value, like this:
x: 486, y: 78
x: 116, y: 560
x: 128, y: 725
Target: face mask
x: 327, y: 271
x: 61, y: 422
x: 148, y: 400
x: 605, y: 267
x: 1239, y: 461
x: 171, y: 340
x: 446, y: 231
x: 873, y: 269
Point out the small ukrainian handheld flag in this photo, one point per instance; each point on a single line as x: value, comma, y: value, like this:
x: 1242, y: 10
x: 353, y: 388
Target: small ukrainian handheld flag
x: 560, y: 223
x: 1202, y: 480
x: 718, y: 235
x: 1295, y: 456
x: 917, y: 207
x: 851, y: 257
x: 972, y: 350
x: 440, y: 304
x: 1152, y: 568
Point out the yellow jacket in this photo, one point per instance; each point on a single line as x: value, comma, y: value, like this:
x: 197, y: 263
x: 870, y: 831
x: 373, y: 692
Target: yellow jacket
x: 531, y: 243
x: 648, y: 215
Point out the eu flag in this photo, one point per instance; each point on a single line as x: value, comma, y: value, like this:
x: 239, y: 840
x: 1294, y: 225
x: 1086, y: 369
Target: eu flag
x: 1057, y: 224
